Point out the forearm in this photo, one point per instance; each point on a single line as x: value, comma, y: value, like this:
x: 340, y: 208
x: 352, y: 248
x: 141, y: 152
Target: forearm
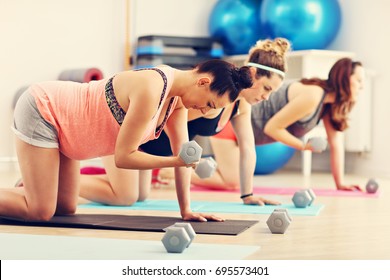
x: 247, y: 168
x: 182, y: 181
x: 337, y: 163
x: 142, y: 161
x: 285, y: 137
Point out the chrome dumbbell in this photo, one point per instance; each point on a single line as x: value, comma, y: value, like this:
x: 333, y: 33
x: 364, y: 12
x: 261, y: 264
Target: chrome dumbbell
x: 372, y: 186
x: 279, y: 221
x: 318, y: 144
x: 190, y: 152
x: 178, y: 237
x: 303, y: 198
x: 206, y: 167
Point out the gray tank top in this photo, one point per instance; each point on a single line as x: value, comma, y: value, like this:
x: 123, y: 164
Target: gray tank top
x: 264, y: 111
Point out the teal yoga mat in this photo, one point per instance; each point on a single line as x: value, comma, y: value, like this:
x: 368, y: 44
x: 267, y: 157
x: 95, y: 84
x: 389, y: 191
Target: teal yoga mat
x: 211, y: 206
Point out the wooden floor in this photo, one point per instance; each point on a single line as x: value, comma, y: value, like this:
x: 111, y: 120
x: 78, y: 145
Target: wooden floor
x: 348, y: 228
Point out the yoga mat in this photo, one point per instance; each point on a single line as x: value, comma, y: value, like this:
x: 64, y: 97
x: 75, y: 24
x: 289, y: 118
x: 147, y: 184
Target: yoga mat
x: 292, y: 190
x: 135, y: 223
x: 47, y: 247
x: 211, y: 206
x: 83, y: 75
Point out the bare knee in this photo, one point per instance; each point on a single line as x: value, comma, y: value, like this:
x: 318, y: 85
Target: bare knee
x: 142, y: 198
x: 40, y: 214
x: 125, y: 200
x: 69, y: 209
x: 143, y: 194
x: 231, y: 184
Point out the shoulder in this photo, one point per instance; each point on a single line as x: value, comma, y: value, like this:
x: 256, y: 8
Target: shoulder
x: 311, y: 94
x: 243, y: 105
x: 165, y: 70
x: 308, y: 89
x: 142, y: 88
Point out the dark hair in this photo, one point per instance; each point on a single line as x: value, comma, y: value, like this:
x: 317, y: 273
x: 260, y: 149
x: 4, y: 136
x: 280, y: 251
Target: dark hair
x: 227, y: 77
x: 338, y: 82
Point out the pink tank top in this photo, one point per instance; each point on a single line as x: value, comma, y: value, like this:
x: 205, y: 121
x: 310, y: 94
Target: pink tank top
x: 84, y: 122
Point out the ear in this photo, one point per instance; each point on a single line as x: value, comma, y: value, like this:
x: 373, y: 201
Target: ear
x: 204, y: 81
x: 253, y: 71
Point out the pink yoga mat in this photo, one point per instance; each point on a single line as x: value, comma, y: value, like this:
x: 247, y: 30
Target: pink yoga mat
x: 292, y: 190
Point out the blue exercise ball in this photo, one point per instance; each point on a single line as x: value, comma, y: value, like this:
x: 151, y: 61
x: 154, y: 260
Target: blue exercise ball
x: 271, y: 157
x: 308, y: 24
x: 236, y: 24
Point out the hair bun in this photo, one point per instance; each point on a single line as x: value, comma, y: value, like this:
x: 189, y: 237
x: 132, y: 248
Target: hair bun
x: 242, y: 78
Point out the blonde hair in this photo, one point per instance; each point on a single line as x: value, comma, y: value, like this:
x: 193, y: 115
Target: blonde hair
x: 271, y: 53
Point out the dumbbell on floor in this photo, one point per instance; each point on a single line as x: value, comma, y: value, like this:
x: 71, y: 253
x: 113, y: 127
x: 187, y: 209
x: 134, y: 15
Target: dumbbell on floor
x: 178, y: 237
x: 206, y: 167
x: 190, y: 152
x: 318, y: 144
x: 279, y: 221
x: 372, y: 186
x: 303, y: 198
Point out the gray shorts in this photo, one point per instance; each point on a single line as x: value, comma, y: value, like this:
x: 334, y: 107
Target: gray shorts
x: 30, y: 126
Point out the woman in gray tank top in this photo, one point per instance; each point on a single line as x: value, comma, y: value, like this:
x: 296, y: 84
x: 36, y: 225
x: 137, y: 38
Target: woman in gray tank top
x: 295, y: 109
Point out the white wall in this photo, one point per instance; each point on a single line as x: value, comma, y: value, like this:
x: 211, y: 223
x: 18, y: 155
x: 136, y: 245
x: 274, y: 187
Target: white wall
x: 40, y: 38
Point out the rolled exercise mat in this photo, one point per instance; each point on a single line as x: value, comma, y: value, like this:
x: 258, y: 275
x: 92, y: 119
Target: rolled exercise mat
x: 81, y: 75
x: 135, y: 223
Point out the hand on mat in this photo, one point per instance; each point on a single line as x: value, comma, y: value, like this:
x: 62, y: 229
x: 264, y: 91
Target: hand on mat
x: 201, y: 217
x: 350, y: 188
x: 257, y: 200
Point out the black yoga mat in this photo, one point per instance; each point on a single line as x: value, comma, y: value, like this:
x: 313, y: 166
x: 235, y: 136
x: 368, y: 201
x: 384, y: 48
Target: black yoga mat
x: 135, y: 223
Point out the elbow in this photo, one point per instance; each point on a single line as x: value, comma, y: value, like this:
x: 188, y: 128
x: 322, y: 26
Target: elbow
x: 120, y: 161
x: 126, y: 160
x: 268, y: 129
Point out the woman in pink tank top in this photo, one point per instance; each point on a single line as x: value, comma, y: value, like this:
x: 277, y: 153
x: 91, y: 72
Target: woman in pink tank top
x: 110, y: 118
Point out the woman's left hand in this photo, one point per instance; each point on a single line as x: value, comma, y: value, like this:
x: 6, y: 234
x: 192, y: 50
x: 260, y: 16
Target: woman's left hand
x: 200, y: 217
x: 253, y: 200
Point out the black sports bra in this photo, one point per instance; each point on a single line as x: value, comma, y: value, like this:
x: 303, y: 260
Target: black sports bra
x: 201, y: 126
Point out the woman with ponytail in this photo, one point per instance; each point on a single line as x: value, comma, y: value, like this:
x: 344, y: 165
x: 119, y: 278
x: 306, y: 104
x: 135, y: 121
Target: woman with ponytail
x: 266, y: 65
x: 59, y: 123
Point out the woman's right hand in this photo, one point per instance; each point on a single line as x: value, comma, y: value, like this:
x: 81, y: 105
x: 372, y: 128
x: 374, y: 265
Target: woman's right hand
x: 201, y: 217
x: 183, y: 163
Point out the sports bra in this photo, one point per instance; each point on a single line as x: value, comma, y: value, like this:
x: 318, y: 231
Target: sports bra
x: 200, y: 126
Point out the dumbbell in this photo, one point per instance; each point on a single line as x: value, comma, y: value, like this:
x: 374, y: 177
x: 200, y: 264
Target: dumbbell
x: 190, y: 152
x: 178, y: 237
x: 279, y: 220
x: 372, y: 186
x: 206, y: 167
x: 318, y: 144
x: 303, y: 198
